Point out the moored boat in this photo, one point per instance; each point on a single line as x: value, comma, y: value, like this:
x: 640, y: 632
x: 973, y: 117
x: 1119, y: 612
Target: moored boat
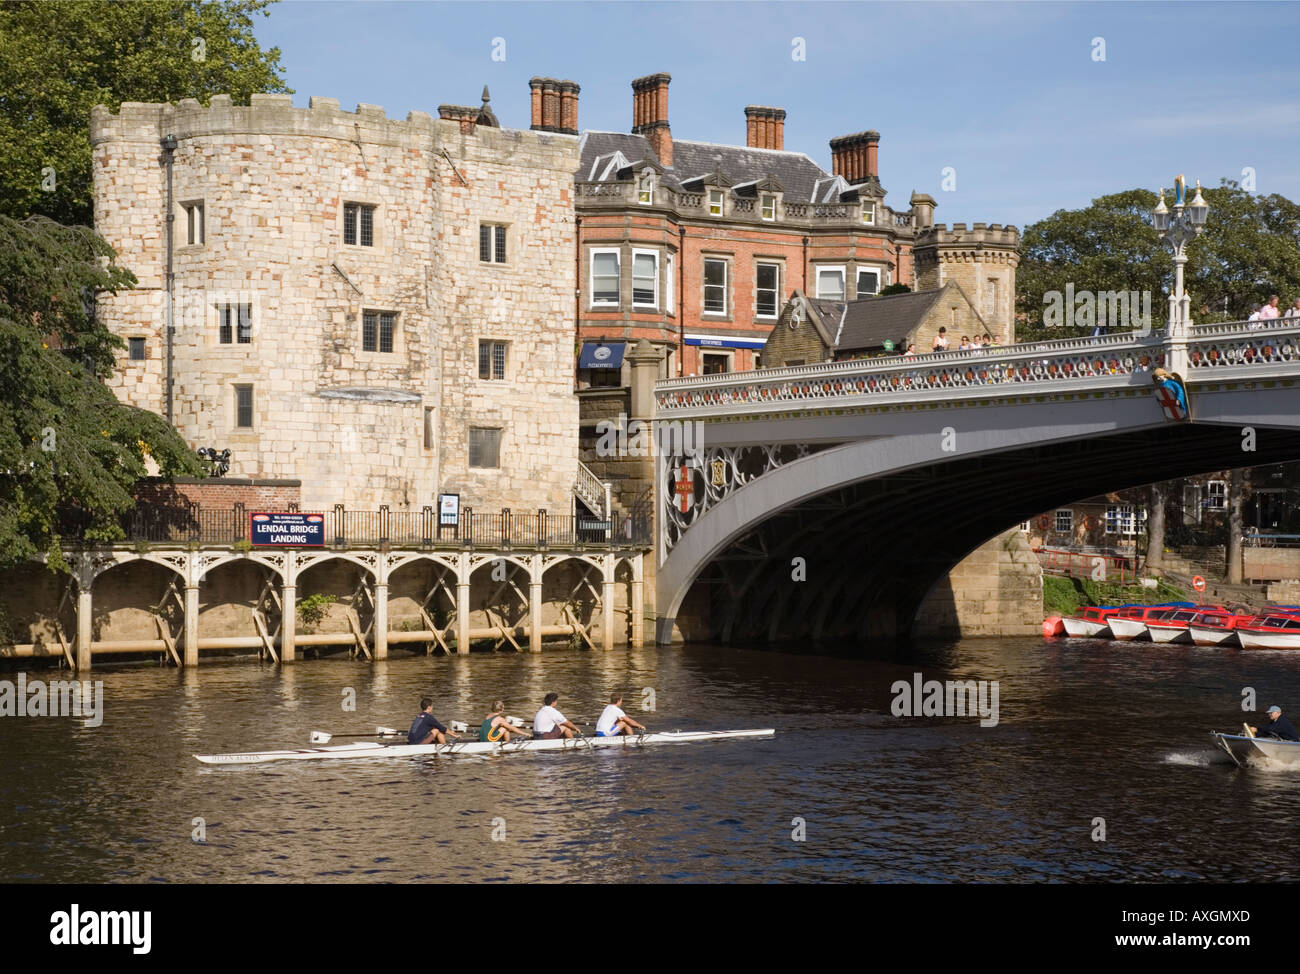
x: 1091, y: 621
x: 1272, y: 630
x: 1215, y: 627
x: 1130, y: 622
x: 381, y: 750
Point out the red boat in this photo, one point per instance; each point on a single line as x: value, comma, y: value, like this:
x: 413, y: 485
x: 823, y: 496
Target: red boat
x: 1174, y: 625
x: 1131, y: 620
x: 1091, y: 621
x: 1216, y: 628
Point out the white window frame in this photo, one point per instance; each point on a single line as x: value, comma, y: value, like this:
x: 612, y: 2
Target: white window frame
x: 1063, y: 515
x: 704, y: 287
x: 766, y: 201
x: 821, y: 269
x: 1024, y: 527
x: 645, y: 190
x: 654, y: 302
x: 869, y: 270
x: 591, y: 277
x: 776, y: 298
x: 1191, y: 503
x: 670, y: 264
x: 868, y: 213
x: 721, y: 204
x: 1216, y: 495
x: 1125, y: 520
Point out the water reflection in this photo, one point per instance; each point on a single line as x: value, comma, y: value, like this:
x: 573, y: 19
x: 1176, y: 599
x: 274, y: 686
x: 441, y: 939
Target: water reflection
x: 1086, y: 730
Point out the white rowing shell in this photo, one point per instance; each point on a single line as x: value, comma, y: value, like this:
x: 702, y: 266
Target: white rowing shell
x: 369, y: 750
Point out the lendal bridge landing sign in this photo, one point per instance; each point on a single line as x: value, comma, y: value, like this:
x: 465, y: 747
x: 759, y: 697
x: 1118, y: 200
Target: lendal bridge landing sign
x: 873, y: 477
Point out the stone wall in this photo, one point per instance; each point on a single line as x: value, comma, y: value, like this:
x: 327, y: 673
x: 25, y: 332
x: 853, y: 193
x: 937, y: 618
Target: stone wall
x: 1270, y: 564
x: 996, y: 590
x: 982, y: 259
x: 359, y: 427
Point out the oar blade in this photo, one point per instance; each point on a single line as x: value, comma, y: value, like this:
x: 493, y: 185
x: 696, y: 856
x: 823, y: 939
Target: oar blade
x: 320, y: 737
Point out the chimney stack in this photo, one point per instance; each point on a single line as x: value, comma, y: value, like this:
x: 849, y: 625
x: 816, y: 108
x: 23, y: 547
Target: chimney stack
x: 764, y: 127
x: 554, y: 105
x: 650, y: 114
x: 855, y: 156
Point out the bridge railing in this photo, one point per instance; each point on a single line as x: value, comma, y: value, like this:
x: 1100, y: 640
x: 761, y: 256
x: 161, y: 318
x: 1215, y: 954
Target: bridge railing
x: 940, y: 374
x: 1084, y: 564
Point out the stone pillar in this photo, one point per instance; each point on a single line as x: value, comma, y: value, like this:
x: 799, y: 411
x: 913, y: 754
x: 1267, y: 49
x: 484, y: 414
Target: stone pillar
x: 645, y: 373
x: 462, y: 604
x: 191, y: 656
x: 638, y: 603
x: 535, y: 606
x: 85, y: 629
x: 607, y: 568
x: 381, y: 620
x: 288, y: 621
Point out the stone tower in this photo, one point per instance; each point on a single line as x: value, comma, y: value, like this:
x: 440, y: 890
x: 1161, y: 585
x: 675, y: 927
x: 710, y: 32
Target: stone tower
x: 981, y: 259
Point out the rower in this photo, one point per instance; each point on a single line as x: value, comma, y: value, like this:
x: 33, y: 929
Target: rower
x: 426, y: 729
x: 1279, y: 727
x: 613, y: 721
x: 496, y: 728
x: 550, y: 724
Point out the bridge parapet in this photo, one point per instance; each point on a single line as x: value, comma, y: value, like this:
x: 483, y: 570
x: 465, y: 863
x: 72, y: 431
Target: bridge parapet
x: 1065, y: 365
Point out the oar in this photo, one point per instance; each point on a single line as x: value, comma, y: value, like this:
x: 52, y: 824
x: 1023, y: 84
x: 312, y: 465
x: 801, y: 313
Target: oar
x: 320, y: 737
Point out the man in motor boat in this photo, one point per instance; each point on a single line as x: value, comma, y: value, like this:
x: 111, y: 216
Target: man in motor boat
x: 1279, y: 727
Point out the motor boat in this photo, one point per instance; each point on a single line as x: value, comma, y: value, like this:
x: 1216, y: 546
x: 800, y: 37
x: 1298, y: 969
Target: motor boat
x: 1130, y: 622
x: 1092, y: 621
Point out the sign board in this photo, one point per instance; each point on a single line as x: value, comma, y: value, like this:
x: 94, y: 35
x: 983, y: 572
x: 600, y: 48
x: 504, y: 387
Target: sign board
x: 448, y: 510
x: 287, y: 530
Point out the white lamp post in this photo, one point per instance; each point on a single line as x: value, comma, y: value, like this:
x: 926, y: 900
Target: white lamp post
x: 1178, y: 228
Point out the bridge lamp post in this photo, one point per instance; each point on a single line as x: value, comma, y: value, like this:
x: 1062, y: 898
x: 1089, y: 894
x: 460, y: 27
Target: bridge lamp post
x: 1178, y: 228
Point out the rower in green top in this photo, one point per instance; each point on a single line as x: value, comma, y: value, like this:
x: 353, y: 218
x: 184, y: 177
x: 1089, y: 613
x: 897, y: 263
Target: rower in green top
x: 496, y: 728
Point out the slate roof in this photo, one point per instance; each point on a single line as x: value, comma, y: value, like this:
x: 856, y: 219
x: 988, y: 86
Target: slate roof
x: 870, y: 321
x: 797, y: 174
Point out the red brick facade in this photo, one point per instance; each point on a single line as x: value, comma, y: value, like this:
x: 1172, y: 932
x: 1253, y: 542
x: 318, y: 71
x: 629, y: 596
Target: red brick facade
x: 221, y: 493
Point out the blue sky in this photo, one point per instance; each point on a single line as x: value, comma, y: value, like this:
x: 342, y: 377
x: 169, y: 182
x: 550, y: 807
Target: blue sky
x: 1008, y: 94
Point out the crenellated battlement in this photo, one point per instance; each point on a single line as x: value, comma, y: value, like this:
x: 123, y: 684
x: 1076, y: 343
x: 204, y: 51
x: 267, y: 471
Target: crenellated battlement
x: 976, y: 235
x: 275, y: 115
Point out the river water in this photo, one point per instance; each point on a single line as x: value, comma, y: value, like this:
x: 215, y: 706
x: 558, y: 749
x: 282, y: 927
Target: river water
x: 1085, y: 731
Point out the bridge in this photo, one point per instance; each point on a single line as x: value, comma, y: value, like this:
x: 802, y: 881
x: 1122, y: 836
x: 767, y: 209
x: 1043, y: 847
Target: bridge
x: 824, y: 501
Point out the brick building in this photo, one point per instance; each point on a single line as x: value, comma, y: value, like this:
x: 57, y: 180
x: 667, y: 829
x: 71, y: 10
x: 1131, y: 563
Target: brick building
x: 380, y: 309
x: 697, y: 246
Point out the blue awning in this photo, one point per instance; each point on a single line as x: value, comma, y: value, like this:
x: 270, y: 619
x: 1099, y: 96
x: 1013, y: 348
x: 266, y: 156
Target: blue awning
x: 601, y: 355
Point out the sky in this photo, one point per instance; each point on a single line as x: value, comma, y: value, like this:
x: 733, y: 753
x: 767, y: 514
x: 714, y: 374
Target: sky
x: 1035, y: 107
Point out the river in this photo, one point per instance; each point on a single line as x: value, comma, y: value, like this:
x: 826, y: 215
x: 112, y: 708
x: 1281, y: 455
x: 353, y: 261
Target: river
x: 845, y: 791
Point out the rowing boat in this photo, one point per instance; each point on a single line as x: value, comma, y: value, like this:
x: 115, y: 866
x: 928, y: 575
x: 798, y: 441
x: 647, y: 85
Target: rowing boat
x: 380, y: 750
x: 1243, y: 748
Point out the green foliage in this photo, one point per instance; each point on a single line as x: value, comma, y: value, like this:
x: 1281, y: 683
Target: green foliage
x: 312, y: 609
x: 1250, y: 250
x: 1065, y: 596
x: 243, y: 545
x: 895, y: 289
x: 70, y: 452
x: 59, y: 60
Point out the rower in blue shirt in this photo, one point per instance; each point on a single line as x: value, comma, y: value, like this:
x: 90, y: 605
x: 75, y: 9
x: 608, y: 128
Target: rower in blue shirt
x: 426, y: 729
x: 1280, y: 727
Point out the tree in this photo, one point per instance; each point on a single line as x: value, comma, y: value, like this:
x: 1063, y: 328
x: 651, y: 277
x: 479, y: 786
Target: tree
x: 1249, y: 250
x: 59, y: 60
x: 70, y: 452
x: 1238, y: 485
x: 1156, y: 525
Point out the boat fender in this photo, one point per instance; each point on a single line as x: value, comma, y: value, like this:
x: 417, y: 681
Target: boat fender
x: 1053, y: 626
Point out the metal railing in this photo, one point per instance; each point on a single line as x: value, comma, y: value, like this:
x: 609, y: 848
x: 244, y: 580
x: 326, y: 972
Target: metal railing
x: 1238, y: 348
x: 1084, y: 564
x: 537, y: 529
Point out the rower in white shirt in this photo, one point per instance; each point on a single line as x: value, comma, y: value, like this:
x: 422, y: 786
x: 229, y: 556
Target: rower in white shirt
x: 613, y: 721
x: 550, y: 723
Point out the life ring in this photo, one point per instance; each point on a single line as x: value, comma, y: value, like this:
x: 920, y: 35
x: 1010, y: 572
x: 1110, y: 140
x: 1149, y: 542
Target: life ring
x: 1044, y: 522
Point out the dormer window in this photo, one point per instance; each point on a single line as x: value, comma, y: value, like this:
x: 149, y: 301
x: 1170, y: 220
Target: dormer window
x: 645, y: 193
x: 715, y: 202
x: 868, y: 213
x: 769, y: 207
